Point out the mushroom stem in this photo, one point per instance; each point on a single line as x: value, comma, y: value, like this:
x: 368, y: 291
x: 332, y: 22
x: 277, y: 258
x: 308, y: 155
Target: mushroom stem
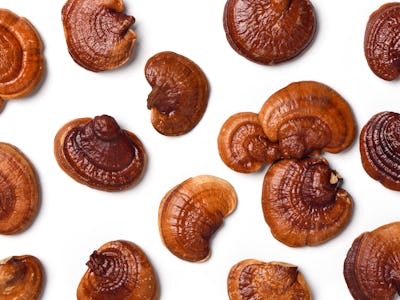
x: 263, y: 150
x: 98, y: 264
x: 280, y: 5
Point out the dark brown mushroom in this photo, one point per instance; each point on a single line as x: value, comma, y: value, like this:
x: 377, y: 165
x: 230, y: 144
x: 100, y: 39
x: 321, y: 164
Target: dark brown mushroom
x: 371, y: 268
x: 21, y: 56
x: 21, y: 278
x: 253, y: 279
x: 243, y: 145
x: 303, y: 203
x: 381, y: 41
x: 380, y: 149
x: 269, y: 32
x: 98, y: 33
x: 119, y: 270
x: 98, y: 153
x: 19, y: 190
x: 306, y: 117
x: 190, y: 214
x: 179, y: 94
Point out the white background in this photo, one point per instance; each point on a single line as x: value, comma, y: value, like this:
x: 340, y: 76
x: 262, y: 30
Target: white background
x: 74, y: 220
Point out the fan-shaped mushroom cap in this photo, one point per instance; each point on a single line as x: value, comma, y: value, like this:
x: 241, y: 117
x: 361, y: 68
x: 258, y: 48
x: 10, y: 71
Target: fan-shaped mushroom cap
x: 98, y: 33
x: 179, y: 95
x: 306, y: 117
x: 119, y: 270
x: 190, y: 214
x: 303, y: 203
x: 98, y: 153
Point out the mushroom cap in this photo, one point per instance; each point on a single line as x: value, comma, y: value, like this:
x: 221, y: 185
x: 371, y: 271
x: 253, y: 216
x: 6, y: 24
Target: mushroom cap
x: 303, y: 203
x: 380, y: 148
x: 306, y: 117
x: 179, y: 95
x: 269, y: 32
x: 98, y: 33
x: 98, y: 153
x: 19, y: 190
x: 119, y: 270
x: 190, y: 214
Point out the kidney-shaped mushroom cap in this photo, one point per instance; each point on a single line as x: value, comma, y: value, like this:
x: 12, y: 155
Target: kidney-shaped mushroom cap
x: 21, y: 278
x: 21, y: 56
x: 98, y: 153
x: 380, y: 149
x: 19, y: 190
x: 306, y: 117
x: 243, y: 145
x: 119, y: 270
x: 254, y: 279
x: 190, y: 214
x: 98, y: 33
x: 179, y: 94
x: 303, y: 203
x: 381, y: 41
x: 371, y: 268
x: 269, y: 32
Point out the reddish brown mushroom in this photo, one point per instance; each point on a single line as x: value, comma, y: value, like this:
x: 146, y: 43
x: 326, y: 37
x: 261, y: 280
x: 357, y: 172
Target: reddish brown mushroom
x: 98, y: 153
x: 98, y: 33
x: 21, y: 278
x: 19, y: 190
x: 381, y: 41
x: 307, y: 117
x: 303, y: 203
x: 371, y: 268
x: 119, y: 270
x: 191, y: 213
x: 179, y: 94
x: 253, y: 279
x: 269, y: 32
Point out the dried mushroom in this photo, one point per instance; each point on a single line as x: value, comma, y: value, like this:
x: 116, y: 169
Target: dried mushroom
x: 179, y: 94
x: 98, y: 153
x: 269, y: 32
x: 303, y: 203
x: 19, y: 190
x: 119, y: 270
x: 190, y: 214
x: 253, y: 279
x: 380, y: 148
x: 21, y: 56
x: 371, y: 267
x: 21, y: 278
x: 381, y: 41
x: 243, y: 145
x: 98, y: 33
x: 306, y: 117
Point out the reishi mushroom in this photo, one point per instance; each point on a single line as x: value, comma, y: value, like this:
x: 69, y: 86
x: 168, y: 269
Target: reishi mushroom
x: 191, y: 213
x: 98, y: 34
x: 119, y: 270
x: 98, y: 153
x: 179, y: 95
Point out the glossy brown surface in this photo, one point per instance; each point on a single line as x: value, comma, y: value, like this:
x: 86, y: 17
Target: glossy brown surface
x: 119, y: 270
x: 380, y: 148
x: 269, y: 31
x: 243, y: 145
x: 372, y: 264
x: 98, y: 33
x: 253, y: 279
x: 381, y: 41
x: 191, y: 213
x: 21, y: 278
x: 306, y: 117
x: 303, y: 203
x: 98, y: 153
x: 21, y: 56
x: 19, y: 190
x: 179, y: 95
